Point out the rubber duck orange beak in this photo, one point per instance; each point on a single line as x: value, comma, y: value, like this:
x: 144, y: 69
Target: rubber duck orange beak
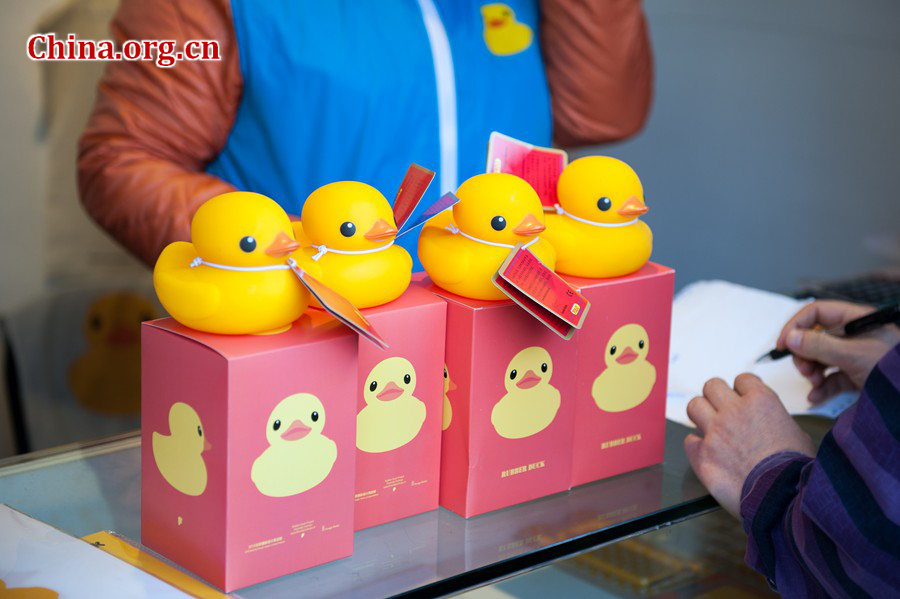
x: 381, y: 230
x: 283, y: 245
x: 633, y: 206
x: 206, y: 445
x: 530, y: 225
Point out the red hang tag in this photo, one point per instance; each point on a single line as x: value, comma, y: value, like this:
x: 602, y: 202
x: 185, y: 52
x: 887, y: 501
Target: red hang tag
x: 539, y: 166
x: 415, y: 182
x: 339, y: 307
x: 542, y: 292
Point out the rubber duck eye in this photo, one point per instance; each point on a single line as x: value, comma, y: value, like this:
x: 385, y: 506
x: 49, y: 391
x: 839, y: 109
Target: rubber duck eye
x: 641, y: 344
x: 199, y: 430
x: 248, y: 243
x: 406, y: 378
x: 612, y: 350
x: 498, y: 223
x: 513, y: 374
x: 276, y: 425
x: 604, y: 203
x: 445, y: 373
x: 348, y: 229
x: 314, y: 416
x: 544, y: 367
x: 373, y: 385
x: 505, y: 12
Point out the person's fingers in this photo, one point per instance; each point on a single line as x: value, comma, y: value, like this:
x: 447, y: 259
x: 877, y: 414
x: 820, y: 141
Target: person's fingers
x: 836, y: 382
x: 804, y: 366
x: 717, y: 392
x: 825, y: 313
x: 692, y: 448
x: 813, y: 371
x: 701, y: 412
x: 746, y: 382
x: 817, y: 346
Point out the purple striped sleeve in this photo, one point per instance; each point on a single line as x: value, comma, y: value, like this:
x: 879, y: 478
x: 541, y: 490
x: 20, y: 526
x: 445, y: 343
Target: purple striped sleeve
x: 831, y: 525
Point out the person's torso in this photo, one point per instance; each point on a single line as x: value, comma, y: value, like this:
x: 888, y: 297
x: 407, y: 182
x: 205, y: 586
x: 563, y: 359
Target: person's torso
x: 349, y: 90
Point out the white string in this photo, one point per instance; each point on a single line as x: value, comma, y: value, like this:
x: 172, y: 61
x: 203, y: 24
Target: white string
x: 457, y: 231
x: 198, y: 261
x: 323, y: 249
x: 559, y: 210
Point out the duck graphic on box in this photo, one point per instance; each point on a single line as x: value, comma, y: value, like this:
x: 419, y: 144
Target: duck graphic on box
x: 248, y: 448
x: 511, y: 387
x: 299, y: 455
x: 623, y: 358
x: 399, y: 410
x: 531, y: 402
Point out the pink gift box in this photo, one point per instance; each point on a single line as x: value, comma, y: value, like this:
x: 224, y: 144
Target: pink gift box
x: 248, y: 448
x: 399, y: 402
x: 623, y: 359
x: 511, y: 383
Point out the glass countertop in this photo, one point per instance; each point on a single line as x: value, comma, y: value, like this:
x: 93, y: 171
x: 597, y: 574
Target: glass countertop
x: 86, y: 488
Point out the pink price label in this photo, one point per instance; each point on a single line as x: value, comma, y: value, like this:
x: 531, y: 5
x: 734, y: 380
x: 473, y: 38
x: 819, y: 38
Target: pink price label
x: 542, y: 292
x: 413, y: 187
x: 539, y: 166
x: 339, y: 307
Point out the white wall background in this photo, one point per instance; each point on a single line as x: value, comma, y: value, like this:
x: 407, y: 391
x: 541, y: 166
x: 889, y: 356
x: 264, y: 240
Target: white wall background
x: 21, y: 159
x: 772, y: 154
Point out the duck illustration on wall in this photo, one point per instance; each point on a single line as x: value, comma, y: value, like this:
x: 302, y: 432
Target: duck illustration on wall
x: 178, y: 455
x: 503, y: 34
x: 299, y: 456
x: 393, y: 416
x: 629, y: 377
x: 531, y: 402
x: 449, y: 385
x: 107, y: 377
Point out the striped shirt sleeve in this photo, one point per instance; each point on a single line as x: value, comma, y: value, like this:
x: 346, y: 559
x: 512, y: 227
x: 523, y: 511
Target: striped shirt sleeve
x: 831, y: 525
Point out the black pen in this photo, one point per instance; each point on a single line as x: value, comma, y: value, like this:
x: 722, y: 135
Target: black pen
x: 889, y: 314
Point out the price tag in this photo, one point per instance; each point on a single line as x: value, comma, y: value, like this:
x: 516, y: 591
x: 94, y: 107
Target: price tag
x: 539, y: 166
x: 338, y: 306
x: 541, y: 292
x: 448, y: 200
x: 413, y: 187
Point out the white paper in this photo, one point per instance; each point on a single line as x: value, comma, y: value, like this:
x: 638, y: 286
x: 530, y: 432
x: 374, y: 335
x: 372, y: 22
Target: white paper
x: 34, y: 554
x: 720, y: 329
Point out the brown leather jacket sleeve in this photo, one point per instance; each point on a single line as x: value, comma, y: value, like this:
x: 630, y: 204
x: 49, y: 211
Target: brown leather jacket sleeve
x: 153, y: 130
x: 599, y: 67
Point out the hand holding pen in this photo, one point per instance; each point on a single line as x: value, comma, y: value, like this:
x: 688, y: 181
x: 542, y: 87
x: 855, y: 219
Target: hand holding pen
x: 836, y: 344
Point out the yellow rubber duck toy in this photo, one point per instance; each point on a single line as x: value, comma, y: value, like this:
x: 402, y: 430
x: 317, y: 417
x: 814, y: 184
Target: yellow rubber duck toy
x: 629, y: 377
x: 596, y: 230
x: 178, y: 455
x: 349, y: 230
x: 234, y: 277
x: 495, y: 212
x: 393, y: 416
x: 531, y: 402
x: 107, y: 377
x: 299, y: 456
x: 447, y: 415
x: 503, y: 34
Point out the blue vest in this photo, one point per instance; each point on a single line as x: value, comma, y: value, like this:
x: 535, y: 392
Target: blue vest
x: 358, y: 89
